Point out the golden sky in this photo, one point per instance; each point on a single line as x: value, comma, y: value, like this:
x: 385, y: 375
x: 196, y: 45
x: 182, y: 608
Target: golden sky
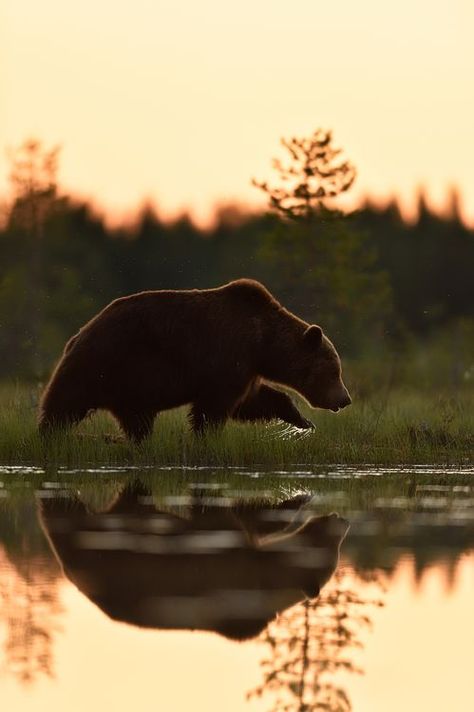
x: 183, y: 102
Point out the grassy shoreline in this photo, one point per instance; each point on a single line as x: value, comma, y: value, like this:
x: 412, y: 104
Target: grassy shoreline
x: 403, y: 427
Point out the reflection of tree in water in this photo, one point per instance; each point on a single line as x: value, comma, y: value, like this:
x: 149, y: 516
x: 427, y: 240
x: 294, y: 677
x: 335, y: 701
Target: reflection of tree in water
x: 312, y: 642
x: 29, y: 610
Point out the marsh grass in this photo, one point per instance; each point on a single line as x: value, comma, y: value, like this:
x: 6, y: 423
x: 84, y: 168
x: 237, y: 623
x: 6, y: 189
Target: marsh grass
x: 401, y: 427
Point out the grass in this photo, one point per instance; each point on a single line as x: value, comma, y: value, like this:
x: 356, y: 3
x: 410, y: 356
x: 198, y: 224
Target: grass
x: 401, y: 427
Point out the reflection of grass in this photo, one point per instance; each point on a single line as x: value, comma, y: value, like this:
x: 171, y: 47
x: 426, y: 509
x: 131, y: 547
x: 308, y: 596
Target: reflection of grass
x: 407, y: 427
x: 343, y: 489
x: 425, y: 511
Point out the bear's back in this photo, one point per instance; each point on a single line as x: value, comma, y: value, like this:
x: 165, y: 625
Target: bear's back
x: 195, y: 315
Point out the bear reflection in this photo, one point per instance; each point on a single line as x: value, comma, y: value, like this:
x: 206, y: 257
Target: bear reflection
x: 223, y: 566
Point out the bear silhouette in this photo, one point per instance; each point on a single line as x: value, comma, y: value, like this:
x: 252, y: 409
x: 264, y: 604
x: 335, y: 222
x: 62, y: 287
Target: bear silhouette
x: 227, y: 567
x: 217, y: 350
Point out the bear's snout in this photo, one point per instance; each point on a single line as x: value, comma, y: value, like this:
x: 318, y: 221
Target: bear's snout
x: 342, y: 401
x: 346, y: 400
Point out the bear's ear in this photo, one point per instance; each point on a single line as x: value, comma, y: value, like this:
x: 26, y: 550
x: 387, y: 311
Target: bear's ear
x: 313, y: 336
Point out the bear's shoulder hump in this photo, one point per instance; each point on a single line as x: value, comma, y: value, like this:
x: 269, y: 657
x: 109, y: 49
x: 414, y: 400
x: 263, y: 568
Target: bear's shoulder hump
x: 249, y: 290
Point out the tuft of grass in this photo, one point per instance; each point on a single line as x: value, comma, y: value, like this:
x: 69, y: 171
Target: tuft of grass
x: 403, y: 427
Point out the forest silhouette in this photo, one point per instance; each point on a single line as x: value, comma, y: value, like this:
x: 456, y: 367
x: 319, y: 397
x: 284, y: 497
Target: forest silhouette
x: 373, y: 280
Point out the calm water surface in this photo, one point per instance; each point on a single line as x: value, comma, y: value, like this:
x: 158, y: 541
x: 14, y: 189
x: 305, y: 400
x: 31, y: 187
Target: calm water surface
x: 333, y: 589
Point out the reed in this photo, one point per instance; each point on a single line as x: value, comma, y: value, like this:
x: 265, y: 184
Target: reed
x: 402, y: 427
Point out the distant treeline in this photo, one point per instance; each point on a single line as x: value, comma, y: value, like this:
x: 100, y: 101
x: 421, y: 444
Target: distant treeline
x: 60, y: 264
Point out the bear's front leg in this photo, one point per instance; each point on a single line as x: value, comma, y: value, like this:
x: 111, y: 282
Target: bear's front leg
x: 267, y: 403
x: 212, y: 416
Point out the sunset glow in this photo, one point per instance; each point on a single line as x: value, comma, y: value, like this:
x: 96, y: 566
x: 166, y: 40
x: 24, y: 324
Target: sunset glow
x: 183, y: 103
x: 179, y: 670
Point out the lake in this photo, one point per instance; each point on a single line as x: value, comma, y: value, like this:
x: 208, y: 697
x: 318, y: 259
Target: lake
x: 312, y: 588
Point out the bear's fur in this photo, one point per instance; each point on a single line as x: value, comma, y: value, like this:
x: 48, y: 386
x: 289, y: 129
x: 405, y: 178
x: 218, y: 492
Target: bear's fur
x: 229, y: 569
x: 209, y: 348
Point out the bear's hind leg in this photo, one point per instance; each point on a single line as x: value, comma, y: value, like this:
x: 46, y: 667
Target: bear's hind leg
x: 203, y: 418
x: 136, y: 425
x: 51, y: 421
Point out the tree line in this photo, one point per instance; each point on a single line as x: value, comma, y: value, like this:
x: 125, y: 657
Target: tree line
x: 367, y: 278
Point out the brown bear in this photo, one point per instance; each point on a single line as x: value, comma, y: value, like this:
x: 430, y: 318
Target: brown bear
x: 227, y: 569
x: 209, y: 348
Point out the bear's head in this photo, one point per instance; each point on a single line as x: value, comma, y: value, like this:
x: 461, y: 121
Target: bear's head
x: 317, y: 372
